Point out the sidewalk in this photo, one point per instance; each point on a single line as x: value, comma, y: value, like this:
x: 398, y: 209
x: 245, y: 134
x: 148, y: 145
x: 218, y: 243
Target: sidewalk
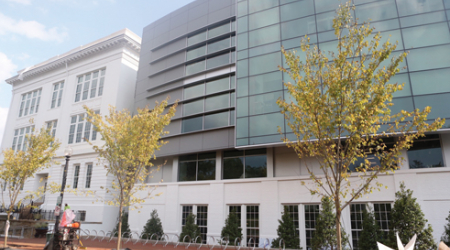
x: 39, y: 243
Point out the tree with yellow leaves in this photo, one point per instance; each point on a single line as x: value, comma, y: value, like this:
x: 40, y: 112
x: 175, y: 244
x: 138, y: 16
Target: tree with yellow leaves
x: 341, y: 112
x: 19, y: 165
x: 129, y: 146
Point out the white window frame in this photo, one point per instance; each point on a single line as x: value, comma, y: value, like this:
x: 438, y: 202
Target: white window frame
x: 57, y: 94
x: 20, y: 139
x: 76, y: 176
x: 243, y: 218
x: 194, y: 211
x: 89, y: 170
x: 80, y: 129
x: 90, y: 85
x: 29, y: 103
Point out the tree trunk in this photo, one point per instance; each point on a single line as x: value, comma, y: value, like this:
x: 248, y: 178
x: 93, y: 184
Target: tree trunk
x: 338, y: 224
x: 119, y: 234
x: 7, y: 229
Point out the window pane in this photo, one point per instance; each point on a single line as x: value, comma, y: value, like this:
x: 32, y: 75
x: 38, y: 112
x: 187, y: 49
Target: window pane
x: 265, y: 35
x: 242, y: 41
x: 217, y: 31
x: 265, y: 83
x: 429, y: 58
x: 326, y: 5
x: 194, y: 91
x: 325, y: 21
x: 264, y: 18
x: 242, y: 87
x: 402, y: 104
x: 265, y: 103
x: 386, y: 25
x: 377, y: 11
x: 187, y: 171
x: 192, y: 124
x: 410, y: 7
x: 401, y: 78
x: 218, y: 85
x: 426, y: 35
x: 242, y: 127
x: 255, y: 166
x: 258, y: 5
x: 242, y: 24
x: 195, y: 67
x: 218, y: 61
x: 423, y: 19
x: 194, y: 53
x: 217, y: 102
x: 266, y: 124
x: 297, y: 10
x: 265, y: 49
x: 219, y: 45
x: 233, y: 168
x: 206, y: 170
x: 193, y: 107
x: 425, y: 153
x: 242, y: 107
x: 216, y: 120
x: 196, y: 38
x: 435, y: 101
x: 265, y: 63
x: 299, y: 27
x: 430, y: 82
x: 242, y: 8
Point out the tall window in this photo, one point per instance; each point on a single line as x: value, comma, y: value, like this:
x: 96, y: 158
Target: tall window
x: 252, y: 226
x: 426, y: 152
x: 202, y: 221
x: 237, y: 211
x: 293, y: 213
x: 356, y: 218
x: 382, y: 217
x: 81, y: 130
x: 90, y: 85
x: 311, y: 214
x: 20, y: 140
x: 76, y: 175
x: 30, y: 103
x: 57, y: 94
x: 244, y: 164
x: 197, y: 167
x: 51, y: 126
x: 88, y: 176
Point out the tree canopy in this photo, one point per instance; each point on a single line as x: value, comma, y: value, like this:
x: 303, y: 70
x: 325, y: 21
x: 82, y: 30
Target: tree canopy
x: 341, y: 111
x: 130, y: 143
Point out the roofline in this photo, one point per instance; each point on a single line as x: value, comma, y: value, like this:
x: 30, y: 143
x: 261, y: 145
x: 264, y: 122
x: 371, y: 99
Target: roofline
x: 124, y: 37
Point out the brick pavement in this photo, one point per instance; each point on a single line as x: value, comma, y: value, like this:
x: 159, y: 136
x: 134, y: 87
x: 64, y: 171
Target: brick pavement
x: 39, y: 243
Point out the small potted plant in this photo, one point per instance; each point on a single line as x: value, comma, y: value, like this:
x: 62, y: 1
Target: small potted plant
x: 41, y: 229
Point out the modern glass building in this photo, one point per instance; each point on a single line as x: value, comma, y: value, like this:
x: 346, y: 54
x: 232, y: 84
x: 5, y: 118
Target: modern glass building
x: 220, y: 59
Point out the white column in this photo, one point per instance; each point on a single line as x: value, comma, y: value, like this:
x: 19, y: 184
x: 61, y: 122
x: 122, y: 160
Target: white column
x: 218, y: 165
x: 301, y: 225
x: 270, y: 160
x: 244, y: 225
x: 175, y: 169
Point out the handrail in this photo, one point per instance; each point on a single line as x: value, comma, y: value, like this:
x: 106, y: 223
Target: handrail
x: 190, y: 240
x: 248, y: 243
x: 279, y: 244
x: 240, y: 243
x: 268, y: 244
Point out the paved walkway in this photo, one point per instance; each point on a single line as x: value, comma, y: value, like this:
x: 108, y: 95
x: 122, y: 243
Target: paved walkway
x: 39, y: 243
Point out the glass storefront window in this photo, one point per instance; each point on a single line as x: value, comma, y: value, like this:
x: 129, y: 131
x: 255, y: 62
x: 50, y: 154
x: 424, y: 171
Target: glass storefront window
x: 197, y: 167
x: 244, y: 164
x: 426, y: 153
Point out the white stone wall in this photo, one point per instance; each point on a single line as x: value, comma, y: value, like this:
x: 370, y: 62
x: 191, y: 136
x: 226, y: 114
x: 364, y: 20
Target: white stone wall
x: 430, y: 187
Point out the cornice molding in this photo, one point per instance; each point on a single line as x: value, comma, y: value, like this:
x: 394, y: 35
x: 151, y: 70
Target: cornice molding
x: 78, y: 54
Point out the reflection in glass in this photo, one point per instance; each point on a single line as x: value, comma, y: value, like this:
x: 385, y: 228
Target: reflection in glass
x: 426, y: 153
x: 264, y: 18
x: 194, y: 53
x: 410, y: 7
x: 217, y: 85
x: 217, y: 102
x: 219, y: 45
x: 255, y: 166
x: 217, y: 61
x: 430, y: 82
x: 220, y: 30
x: 191, y: 124
x: 426, y: 35
x: 265, y: 35
x: 296, y: 10
x: 233, y: 168
x: 193, y: 107
x: 194, y: 91
x: 196, y: 38
x: 377, y: 11
x: 206, y: 170
x: 299, y: 27
x: 187, y: 171
x: 216, y: 120
x: 195, y: 67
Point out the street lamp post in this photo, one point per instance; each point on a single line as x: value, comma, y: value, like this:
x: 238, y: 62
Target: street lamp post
x: 67, y: 154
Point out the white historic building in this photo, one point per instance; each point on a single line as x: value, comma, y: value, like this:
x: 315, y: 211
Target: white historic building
x: 53, y: 93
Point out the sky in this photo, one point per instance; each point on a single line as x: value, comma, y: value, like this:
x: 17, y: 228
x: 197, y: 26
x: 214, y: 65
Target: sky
x: 32, y: 31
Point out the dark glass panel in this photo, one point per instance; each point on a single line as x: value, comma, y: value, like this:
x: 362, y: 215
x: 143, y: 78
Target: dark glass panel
x: 255, y: 166
x: 206, y: 170
x: 192, y: 124
x: 216, y: 120
x: 233, y: 168
x: 187, y: 171
x: 425, y: 153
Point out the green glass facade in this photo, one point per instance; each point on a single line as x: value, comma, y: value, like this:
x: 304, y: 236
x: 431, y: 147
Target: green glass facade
x: 263, y: 26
